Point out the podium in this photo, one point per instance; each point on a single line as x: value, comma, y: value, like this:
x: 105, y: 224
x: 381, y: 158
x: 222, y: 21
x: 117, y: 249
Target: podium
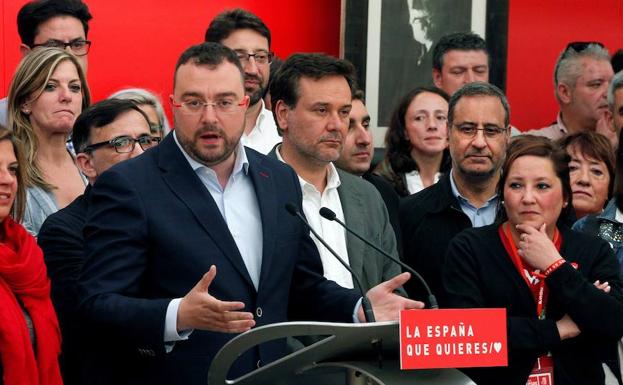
x: 368, y: 352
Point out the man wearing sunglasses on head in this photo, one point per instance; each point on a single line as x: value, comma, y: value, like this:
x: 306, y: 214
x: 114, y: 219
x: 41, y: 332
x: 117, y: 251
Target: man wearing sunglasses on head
x: 53, y: 23
x: 105, y: 134
x: 581, y: 78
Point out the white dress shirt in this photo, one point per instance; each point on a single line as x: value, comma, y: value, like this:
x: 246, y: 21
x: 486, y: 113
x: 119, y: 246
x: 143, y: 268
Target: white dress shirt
x: 239, y: 207
x: 414, y: 181
x: 330, y: 231
x: 264, y: 135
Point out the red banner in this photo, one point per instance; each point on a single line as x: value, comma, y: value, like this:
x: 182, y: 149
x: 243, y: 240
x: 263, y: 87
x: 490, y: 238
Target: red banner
x: 452, y: 338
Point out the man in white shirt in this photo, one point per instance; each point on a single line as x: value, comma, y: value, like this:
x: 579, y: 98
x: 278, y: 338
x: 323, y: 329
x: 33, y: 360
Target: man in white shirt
x: 312, y: 98
x: 581, y: 78
x: 249, y: 37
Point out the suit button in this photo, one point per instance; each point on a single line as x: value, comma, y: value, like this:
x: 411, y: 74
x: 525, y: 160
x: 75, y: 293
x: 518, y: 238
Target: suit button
x: 258, y: 312
x: 259, y: 363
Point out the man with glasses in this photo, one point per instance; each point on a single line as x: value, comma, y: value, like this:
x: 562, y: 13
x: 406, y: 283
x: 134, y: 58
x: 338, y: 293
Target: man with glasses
x: 478, y: 126
x: 105, y: 134
x: 581, y: 78
x: 53, y: 23
x: 249, y: 37
x: 190, y: 243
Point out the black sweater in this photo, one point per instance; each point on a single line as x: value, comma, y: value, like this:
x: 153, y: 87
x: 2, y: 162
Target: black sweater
x: 479, y: 273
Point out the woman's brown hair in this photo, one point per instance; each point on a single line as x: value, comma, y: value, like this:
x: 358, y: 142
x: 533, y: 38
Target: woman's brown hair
x: 19, y: 204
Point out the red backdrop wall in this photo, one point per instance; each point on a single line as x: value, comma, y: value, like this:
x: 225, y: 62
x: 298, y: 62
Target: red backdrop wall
x: 137, y: 42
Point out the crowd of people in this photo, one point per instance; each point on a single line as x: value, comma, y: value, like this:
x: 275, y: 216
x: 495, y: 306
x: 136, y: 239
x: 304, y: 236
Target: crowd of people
x: 132, y: 250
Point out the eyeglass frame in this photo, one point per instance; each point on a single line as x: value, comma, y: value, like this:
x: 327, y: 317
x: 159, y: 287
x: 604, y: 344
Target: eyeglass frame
x: 244, y: 102
x: 247, y: 56
x: 500, y: 131
x: 92, y: 147
x: 58, y: 44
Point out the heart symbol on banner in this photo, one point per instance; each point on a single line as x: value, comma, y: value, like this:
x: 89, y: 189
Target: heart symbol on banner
x: 497, y: 346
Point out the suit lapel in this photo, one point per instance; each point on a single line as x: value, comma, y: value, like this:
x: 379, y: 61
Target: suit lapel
x: 187, y: 186
x: 353, y: 207
x: 267, y: 201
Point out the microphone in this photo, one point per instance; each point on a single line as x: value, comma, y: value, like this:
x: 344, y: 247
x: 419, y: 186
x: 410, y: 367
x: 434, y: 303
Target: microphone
x: 330, y: 215
x: 365, y: 303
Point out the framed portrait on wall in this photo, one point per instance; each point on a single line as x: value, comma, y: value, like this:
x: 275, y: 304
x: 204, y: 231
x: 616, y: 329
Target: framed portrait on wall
x: 391, y: 41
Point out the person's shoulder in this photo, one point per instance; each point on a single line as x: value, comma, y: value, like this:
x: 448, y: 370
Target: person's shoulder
x: 580, y: 240
x: 427, y: 199
x: 257, y: 159
x: 69, y: 219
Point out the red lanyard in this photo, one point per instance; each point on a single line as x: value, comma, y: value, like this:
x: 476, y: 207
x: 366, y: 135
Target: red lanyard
x: 538, y: 289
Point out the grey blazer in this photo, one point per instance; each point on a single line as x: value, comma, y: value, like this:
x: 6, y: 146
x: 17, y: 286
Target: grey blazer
x: 365, y: 213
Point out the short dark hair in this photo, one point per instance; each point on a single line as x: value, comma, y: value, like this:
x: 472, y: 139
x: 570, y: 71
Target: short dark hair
x: 208, y: 54
x: 593, y: 145
x: 99, y: 115
x: 229, y: 21
x: 398, y: 147
x: 478, y: 89
x: 462, y: 41
x: 36, y: 12
x: 285, y: 84
x: 359, y: 95
x: 541, y: 147
x: 617, y: 61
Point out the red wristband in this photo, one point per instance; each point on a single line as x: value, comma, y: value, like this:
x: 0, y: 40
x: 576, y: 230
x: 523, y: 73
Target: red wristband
x: 553, y: 267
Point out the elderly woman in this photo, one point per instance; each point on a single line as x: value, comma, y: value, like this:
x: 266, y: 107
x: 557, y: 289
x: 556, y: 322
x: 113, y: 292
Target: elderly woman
x: 150, y: 104
x: 416, y: 141
x: 47, y: 93
x: 591, y: 170
x: 28, y: 327
x: 556, y: 284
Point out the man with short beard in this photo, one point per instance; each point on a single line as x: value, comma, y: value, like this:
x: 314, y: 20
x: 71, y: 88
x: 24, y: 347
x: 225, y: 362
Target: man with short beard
x: 249, y: 37
x: 478, y: 127
x: 312, y: 99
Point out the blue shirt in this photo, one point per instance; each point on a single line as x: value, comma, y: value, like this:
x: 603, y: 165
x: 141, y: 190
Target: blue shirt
x: 479, y: 217
x: 238, y: 205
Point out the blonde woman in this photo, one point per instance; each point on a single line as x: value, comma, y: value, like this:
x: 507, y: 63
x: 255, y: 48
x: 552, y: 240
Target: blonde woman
x: 47, y: 93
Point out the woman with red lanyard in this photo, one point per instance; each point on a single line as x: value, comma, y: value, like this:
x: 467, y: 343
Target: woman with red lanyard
x: 560, y: 288
x: 29, y: 334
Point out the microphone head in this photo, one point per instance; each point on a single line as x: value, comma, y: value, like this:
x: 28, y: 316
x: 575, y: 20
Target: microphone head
x: 291, y: 208
x: 327, y: 213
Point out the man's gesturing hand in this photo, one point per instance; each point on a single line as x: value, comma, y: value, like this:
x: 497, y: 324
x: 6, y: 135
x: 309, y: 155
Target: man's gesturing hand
x: 385, y: 303
x: 199, y: 310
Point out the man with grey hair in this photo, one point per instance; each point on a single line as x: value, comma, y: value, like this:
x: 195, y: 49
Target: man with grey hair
x: 615, y: 102
x: 478, y: 128
x: 581, y: 78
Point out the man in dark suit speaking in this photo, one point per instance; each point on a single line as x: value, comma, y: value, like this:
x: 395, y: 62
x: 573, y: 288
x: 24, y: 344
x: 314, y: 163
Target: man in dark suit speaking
x: 161, y: 226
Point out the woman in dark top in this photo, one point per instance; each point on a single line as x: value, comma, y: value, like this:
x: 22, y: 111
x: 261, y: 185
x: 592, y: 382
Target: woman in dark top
x: 29, y: 334
x: 416, y: 141
x: 526, y: 256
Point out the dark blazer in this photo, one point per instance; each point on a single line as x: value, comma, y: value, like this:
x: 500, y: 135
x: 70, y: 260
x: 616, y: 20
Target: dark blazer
x: 61, y: 240
x: 429, y: 220
x: 479, y: 273
x: 392, y: 203
x: 153, y: 230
